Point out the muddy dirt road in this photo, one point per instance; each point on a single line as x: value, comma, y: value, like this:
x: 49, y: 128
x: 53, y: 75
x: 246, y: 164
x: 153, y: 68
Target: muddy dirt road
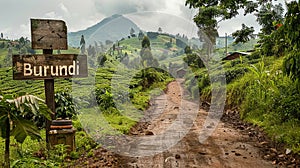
x: 226, y: 147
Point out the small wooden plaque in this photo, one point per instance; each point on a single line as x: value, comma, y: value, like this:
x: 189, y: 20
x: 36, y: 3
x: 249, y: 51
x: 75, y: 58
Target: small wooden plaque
x: 48, y: 66
x: 48, y: 34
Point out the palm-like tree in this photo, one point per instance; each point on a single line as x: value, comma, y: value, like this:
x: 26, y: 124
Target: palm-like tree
x: 13, y: 110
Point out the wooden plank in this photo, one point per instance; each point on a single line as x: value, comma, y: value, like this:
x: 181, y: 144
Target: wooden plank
x: 48, y: 66
x: 49, y: 93
x: 48, y: 34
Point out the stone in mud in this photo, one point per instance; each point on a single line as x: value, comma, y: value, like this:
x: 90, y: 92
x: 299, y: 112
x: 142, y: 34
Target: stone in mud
x: 149, y: 133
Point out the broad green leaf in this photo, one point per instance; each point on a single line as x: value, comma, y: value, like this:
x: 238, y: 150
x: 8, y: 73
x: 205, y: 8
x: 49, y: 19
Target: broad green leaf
x: 24, y: 128
x: 45, y: 111
x: 33, y: 109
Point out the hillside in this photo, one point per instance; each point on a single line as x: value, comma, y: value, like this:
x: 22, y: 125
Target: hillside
x: 164, y: 48
x: 112, y: 28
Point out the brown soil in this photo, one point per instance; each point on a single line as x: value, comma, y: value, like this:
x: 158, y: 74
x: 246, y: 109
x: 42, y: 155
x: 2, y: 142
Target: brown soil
x: 232, y: 144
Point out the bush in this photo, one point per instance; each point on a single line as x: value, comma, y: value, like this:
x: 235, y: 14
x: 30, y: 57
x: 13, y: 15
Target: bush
x: 234, y: 73
x: 64, y: 105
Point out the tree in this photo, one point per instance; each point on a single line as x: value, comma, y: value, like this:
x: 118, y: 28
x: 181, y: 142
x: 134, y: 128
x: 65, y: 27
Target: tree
x: 1, y: 35
x: 290, y: 31
x: 159, y: 30
x: 82, y: 45
x: 243, y: 35
x: 192, y: 59
x: 187, y: 50
x: 114, y: 48
x: 12, y: 119
x: 101, y: 59
x: 212, y: 12
x: 2, y: 45
x: 145, y: 42
x: 146, y: 55
x: 141, y: 35
x: 132, y: 31
x: 268, y: 15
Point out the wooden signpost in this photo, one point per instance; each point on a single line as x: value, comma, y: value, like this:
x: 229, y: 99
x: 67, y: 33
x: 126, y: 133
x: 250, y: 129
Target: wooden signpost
x: 49, y: 35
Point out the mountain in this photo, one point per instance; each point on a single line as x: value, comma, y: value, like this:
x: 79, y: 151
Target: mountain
x: 112, y: 28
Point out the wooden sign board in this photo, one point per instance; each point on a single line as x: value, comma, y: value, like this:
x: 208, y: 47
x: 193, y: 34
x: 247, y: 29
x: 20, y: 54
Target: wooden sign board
x: 48, y: 66
x: 48, y: 34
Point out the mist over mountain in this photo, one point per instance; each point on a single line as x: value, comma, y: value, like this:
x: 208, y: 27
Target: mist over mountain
x: 112, y: 28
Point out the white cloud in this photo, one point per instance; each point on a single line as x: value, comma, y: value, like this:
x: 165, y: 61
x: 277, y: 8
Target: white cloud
x: 151, y: 21
x: 230, y: 26
x: 64, y: 8
x: 50, y: 15
x: 80, y: 14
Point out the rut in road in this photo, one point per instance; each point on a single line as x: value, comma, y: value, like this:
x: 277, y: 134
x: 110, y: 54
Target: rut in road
x: 226, y: 147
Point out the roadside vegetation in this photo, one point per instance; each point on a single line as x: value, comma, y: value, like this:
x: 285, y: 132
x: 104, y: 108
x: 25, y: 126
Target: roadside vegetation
x: 83, y: 99
x: 264, y: 86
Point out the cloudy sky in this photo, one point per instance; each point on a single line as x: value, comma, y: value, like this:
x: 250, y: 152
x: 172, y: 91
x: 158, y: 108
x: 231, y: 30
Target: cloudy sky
x: 171, y: 15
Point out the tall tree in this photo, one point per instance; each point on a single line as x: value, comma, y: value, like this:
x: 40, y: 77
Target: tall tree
x: 243, y: 35
x: 269, y: 15
x: 212, y: 12
x: 145, y: 42
x: 291, y: 31
x: 159, y: 30
x: 146, y: 54
x: 132, y: 31
x: 192, y: 59
x: 82, y: 44
x: 141, y: 35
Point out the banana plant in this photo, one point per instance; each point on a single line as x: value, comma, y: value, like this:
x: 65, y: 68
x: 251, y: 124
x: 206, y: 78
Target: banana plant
x: 13, y: 111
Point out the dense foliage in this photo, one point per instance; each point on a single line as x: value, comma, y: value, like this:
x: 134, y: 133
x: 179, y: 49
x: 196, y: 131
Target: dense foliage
x: 263, y: 87
x: 65, y: 106
x: 291, y: 38
x: 13, y: 112
x: 212, y: 12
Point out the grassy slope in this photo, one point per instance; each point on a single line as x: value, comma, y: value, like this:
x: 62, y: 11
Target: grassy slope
x: 158, y: 48
x: 265, y: 111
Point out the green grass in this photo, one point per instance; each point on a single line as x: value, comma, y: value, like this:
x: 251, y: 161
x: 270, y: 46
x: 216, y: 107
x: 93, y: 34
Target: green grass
x: 268, y: 98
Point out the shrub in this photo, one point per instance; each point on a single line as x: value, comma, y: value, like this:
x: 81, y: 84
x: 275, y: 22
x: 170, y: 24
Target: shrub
x: 64, y: 105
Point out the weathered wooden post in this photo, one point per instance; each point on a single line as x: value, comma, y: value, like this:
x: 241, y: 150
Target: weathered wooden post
x: 49, y: 35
